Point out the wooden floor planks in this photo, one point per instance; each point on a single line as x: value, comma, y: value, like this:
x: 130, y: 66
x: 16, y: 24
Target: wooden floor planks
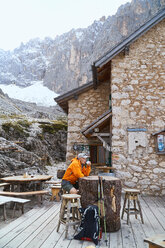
x: 37, y: 228
x: 26, y: 228
x: 40, y: 234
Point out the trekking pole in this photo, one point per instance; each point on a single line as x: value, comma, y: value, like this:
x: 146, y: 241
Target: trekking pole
x: 99, y: 207
x: 105, y: 230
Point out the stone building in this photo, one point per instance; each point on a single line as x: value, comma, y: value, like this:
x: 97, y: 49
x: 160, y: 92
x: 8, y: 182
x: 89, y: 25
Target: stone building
x: 119, y: 117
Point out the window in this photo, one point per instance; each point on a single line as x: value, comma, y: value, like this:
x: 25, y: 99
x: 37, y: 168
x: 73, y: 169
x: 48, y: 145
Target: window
x: 98, y: 155
x: 160, y: 142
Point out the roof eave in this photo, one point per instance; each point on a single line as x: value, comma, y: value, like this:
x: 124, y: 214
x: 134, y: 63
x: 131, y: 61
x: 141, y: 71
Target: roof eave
x: 161, y: 131
x: 89, y: 129
x: 63, y: 99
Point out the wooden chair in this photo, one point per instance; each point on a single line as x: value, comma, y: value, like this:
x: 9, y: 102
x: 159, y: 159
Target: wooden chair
x: 69, y: 212
x: 132, y: 195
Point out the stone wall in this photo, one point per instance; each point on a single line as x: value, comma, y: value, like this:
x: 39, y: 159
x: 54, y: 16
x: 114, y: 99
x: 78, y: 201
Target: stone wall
x: 138, y: 101
x: 89, y: 106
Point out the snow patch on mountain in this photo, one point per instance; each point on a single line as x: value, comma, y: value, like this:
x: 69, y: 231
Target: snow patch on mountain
x: 36, y: 93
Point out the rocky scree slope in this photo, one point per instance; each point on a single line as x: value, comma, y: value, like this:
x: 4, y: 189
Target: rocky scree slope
x: 29, y: 144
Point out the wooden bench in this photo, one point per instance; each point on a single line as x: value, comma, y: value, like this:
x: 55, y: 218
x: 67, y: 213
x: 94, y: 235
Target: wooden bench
x: 30, y: 193
x: 6, y: 186
x: 2, y: 203
x: 19, y: 201
x: 6, y: 199
x: 53, y: 182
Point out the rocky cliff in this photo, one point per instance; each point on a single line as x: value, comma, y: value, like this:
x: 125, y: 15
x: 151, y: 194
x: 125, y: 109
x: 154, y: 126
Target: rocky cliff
x: 65, y: 62
x: 31, y: 146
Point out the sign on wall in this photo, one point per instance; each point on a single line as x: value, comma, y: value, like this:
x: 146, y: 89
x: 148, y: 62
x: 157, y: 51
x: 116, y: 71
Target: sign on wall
x: 136, y: 139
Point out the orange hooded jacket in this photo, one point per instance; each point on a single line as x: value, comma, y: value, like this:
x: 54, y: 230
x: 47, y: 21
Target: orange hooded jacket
x: 75, y: 171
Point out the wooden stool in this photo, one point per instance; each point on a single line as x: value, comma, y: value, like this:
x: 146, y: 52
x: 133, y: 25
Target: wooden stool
x: 132, y: 194
x: 55, y: 190
x: 69, y: 213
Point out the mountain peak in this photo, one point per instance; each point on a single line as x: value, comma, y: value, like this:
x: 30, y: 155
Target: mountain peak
x: 65, y: 62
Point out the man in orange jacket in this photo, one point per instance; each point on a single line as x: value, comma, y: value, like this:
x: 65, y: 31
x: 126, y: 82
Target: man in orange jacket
x: 78, y: 168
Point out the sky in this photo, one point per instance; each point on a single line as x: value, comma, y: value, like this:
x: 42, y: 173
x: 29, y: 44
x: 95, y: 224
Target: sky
x: 22, y: 20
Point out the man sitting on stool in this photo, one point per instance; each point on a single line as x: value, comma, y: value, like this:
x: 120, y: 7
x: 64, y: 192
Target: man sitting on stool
x: 78, y: 168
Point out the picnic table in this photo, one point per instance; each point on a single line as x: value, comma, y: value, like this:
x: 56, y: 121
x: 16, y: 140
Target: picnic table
x: 21, y: 182
x: 21, y: 186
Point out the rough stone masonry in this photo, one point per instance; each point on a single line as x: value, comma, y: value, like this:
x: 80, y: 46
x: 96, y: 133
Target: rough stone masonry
x: 138, y: 101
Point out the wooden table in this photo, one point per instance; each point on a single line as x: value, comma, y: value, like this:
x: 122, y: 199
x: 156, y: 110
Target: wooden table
x: 21, y: 181
x: 88, y: 189
x: 157, y: 241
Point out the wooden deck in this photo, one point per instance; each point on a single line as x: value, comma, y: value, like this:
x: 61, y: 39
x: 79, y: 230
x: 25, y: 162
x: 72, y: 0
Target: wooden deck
x: 37, y: 228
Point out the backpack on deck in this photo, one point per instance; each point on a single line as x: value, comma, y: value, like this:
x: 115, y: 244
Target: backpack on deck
x: 89, y: 228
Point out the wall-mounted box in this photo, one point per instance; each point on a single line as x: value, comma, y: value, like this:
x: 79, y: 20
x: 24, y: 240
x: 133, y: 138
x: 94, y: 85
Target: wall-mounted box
x: 160, y: 141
